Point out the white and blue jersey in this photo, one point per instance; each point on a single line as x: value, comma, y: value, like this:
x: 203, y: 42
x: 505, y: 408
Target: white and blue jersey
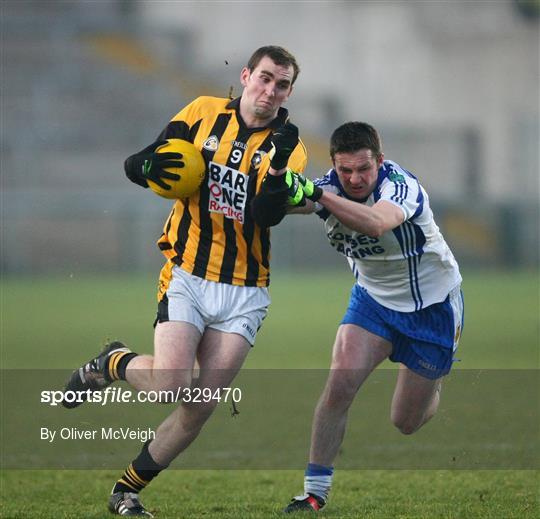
x: 408, y: 268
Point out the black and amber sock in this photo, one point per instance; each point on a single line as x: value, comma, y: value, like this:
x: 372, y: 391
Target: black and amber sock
x: 115, y: 367
x: 139, y: 473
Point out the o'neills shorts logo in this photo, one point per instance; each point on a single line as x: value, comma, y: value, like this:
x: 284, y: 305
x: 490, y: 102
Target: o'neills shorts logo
x: 228, y: 191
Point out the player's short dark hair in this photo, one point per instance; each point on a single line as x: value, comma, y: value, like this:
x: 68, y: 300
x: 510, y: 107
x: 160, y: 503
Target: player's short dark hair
x: 354, y: 136
x: 278, y: 55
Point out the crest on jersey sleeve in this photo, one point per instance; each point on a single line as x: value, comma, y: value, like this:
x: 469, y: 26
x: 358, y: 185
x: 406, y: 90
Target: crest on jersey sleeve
x: 396, y: 177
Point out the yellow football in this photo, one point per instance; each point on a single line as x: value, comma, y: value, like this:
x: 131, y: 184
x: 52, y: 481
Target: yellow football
x: 191, y: 175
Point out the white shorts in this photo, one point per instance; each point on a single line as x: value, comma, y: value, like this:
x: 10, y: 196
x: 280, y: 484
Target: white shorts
x: 207, y: 304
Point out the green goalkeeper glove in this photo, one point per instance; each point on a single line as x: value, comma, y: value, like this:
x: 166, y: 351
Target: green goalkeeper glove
x: 301, y: 188
x: 311, y: 191
x: 296, y: 194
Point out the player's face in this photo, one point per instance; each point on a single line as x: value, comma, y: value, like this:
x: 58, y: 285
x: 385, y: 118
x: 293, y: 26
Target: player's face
x: 266, y: 88
x: 357, y: 171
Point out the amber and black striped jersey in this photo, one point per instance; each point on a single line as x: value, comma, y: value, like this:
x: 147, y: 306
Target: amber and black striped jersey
x: 212, y: 234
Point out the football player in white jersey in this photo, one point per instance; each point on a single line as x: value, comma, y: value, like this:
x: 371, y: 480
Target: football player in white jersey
x: 406, y: 304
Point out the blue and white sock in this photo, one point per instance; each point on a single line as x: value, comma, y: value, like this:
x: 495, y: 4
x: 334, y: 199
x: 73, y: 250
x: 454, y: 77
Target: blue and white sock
x: 318, y: 480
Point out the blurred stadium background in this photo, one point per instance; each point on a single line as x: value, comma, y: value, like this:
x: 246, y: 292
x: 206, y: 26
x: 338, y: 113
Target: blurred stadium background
x: 453, y: 87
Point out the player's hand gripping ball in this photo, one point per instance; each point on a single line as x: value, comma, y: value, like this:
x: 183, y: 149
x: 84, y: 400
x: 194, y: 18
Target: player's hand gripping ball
x: 190, y: 174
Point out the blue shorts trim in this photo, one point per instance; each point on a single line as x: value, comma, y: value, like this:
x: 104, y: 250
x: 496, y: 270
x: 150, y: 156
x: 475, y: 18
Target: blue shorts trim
x: 425, y: 340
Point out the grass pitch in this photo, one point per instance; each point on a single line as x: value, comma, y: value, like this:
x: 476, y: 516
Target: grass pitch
x: 260, y: 494
x: 59, y: 322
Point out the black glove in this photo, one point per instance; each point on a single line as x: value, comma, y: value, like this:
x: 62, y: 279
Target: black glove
x: 284, y: 140
x: 149, y: 165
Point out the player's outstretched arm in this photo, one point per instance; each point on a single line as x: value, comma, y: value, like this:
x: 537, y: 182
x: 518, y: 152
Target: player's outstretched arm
x: 301, y: 194
x: 149, y: 165
x: 372, y: 221
x: 279, y: 195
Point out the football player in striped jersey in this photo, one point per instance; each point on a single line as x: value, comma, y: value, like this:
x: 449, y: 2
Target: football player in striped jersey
x: 406, y: 303
x: 213, y: 294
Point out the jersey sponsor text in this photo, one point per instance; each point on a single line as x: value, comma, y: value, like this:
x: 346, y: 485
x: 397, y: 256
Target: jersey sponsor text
x: 228, y: 191
x: 357, y: 246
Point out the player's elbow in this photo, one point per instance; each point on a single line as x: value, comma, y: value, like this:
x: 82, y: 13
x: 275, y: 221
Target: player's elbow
x: 377, y: 225
x: 268, y: 220
x: 375, y: 230
x: 370, y: 229
x: 267, y: 214
x: 374, y: 234
x: 132, y: 171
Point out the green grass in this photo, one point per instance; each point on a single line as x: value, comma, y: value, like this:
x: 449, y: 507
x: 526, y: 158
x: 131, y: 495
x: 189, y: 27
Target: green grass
x: 58, y: 322
x: 260, y: 494
x: 54, y: 322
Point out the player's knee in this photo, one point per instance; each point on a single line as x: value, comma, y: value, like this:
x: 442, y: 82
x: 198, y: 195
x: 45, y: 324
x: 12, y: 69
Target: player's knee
x: 342, y: 354
x: 407, y: 428
x: 406, y: 424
